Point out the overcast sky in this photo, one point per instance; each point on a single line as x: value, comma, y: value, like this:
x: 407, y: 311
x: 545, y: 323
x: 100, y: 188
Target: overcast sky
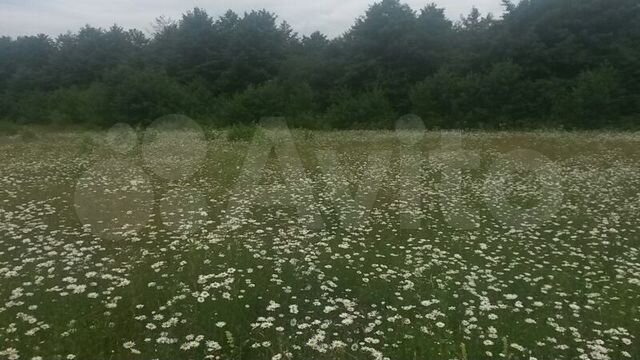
x: 332, y: 17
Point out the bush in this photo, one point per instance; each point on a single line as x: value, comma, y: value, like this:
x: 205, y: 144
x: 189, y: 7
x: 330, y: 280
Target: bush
x: 445, y: 99
x: 86, y: 144
x: 241, y: 132
x: 308, y: 135
x: 272, y: 99
x: 592, y: 102
x: 28, y: 135
x: 77, y: 105
x: 8, y: 128
x: 29, y: 107
x: 309, y: 121
x: 142, y: 96
x: 370, y: 109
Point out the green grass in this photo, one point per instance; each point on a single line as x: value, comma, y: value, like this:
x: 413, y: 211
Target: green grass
x: 202, y: 280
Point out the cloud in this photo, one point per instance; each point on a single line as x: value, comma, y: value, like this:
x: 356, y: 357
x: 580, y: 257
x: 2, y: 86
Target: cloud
x: 332, y: 17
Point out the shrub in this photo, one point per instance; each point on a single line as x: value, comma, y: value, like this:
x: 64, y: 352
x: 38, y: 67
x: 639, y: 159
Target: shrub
x: 28, y: 135
x: 370, y: 109
x: 142, y: 96
x: 309, y: 121
x: 241, y: 132
x: 8, y: 128
x: 272, y: 99
x: 592, y: 102
x: 75, y: 105
x: 86, y: 144
x: 308, y: 135
x: 30, y: 107
x: 444, y: 98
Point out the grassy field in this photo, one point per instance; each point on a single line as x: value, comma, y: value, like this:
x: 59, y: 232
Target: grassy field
x: 336, y: 245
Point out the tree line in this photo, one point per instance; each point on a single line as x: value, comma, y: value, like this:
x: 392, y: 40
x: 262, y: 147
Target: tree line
x: 571, y: 64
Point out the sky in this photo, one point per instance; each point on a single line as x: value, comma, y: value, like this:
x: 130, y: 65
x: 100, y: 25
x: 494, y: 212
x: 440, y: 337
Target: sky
x: 332, y: 17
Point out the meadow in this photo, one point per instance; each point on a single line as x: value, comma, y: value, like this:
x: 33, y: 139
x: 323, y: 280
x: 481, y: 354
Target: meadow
x: 320, y: 245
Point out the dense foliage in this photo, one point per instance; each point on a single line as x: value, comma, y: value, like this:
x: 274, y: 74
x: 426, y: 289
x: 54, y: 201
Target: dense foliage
x: 545, y: 63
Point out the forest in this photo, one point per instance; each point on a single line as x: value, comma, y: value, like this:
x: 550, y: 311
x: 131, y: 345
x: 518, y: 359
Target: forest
x: 561, y: 64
